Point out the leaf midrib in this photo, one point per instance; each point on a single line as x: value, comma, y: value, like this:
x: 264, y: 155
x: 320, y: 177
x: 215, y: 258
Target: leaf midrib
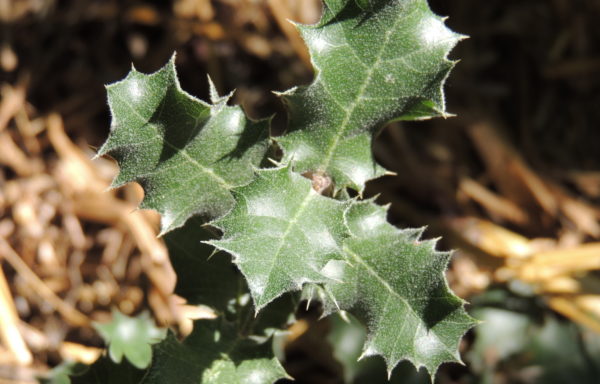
x: 287, y: 231
x: 183, y: 152
x: 350, y: 110
x: 386, y: 285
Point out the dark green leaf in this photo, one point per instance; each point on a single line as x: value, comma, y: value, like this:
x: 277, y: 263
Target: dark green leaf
x: 396, y: 283
x: 185, y: 153
x: 214, y: 354
x: 105, y: 371
x: 376, y: 61
x: 281, y: 233
x: 202, y: 277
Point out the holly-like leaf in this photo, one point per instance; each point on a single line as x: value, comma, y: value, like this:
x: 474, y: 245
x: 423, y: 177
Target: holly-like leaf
x: 202, y: 276
x: 396, y: 283
x: 281, y: 233
x: 185, y: 153
x: 375, y: 61
x: 131, y: 337
x: 214, y: 354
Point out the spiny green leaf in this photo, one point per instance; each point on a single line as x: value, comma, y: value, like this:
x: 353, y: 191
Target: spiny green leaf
x: 347, y: 337
x: 396, y: 283
x: 281, y: 233
x: 375, y: 61
x: 130, y: 337
x: 202, y: 277
x: 209, y: 278
x: 214, y: 354
x: 185, y: 153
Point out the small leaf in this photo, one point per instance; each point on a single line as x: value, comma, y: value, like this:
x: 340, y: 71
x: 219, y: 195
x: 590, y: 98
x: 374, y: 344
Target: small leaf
x: 214, y: 354
x: 130, y: 337
x: 396, y: 283
x: 375, y: 61
x: 62, y: 372
x: 185, y: 153
x: 281, y: 233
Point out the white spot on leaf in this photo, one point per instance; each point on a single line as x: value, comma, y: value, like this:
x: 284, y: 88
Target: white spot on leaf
x: 257, y: 287
x: 257, y: 377
x: 359, y: 173
x: 334, y: 269
x: 234, y: 121
x: 126, y: 329
x: 433, y: 31
x: 135, y: 90
x: 427, y: 344
x: 321, y: 237
x: 320, y: 44
x: 267, y: 206
x: 300, y: 152
x: 370, y: 223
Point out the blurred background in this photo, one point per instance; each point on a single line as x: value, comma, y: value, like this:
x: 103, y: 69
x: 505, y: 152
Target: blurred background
x: 512, y: 182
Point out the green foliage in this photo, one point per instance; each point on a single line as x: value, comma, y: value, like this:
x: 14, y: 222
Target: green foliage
x: 131, y: 337
x: 185, y: 153
x: 213, y: 354
x: 105, y: 370
x: 533, y: 344
x: 376, y: 61
x: 202, y: 277
x: 62, y: 372
x: 347, y: 337
x: 397, y: 283
x: 281, y: 233
x: 199, y: 164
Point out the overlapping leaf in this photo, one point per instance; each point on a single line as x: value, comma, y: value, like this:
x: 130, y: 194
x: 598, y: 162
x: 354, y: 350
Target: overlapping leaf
x: 214, y: 354
x: 375, y: 61
x: 202, y: 277
x: 281, y: 233
x: 396, y: 283
x: 185, y: 153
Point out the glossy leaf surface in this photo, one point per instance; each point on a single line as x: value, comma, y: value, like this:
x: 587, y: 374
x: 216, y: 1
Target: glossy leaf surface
x: 281, y: 233
x: 395, y: 282
x: 375, y: 61
x: 185, y: 153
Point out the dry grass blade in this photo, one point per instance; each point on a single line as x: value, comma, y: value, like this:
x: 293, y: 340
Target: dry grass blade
x: 493, y: 203
x: 69, y: 313
x: 512, y: 176
x: 283, y: 15
x: 9, y: 331
x: 555, y: 273
x: 13, y: 100
x: 92, y: 202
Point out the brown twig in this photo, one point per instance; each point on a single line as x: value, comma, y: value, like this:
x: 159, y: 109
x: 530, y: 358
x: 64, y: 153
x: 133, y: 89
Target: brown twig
x: 492, y: 202
x: 69, y: 313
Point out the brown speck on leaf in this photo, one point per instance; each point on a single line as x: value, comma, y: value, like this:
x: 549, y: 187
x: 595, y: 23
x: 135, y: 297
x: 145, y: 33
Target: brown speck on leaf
x: 321, y: 182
